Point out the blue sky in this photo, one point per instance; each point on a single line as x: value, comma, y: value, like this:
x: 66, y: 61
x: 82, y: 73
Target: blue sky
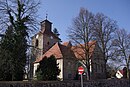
x: 61, y: 12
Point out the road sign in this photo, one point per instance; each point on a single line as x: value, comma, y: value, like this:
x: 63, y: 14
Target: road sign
x: 80, y: 70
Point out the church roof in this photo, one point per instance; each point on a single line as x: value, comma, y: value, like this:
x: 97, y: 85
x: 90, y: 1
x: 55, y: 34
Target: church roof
x: 67, y: 44
x: 46, y: 30
x: 59, y: 51
x: 66, y: 50
x: 79, y: 50
x: 46, y: 21
x: 54, y: 50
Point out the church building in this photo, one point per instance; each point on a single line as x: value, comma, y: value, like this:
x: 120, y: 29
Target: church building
x: 46, y: 43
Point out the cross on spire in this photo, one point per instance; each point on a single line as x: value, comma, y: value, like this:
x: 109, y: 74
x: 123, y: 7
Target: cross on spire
x: 46, y: 16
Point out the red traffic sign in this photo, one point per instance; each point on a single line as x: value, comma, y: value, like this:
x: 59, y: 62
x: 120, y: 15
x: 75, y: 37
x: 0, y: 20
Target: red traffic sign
x: 80, y: 70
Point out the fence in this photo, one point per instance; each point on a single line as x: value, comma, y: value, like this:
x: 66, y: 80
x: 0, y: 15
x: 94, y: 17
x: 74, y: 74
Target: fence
x: 98, y: 83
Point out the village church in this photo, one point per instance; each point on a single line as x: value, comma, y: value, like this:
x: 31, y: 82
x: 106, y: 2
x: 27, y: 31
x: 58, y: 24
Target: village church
x: 46, y: 43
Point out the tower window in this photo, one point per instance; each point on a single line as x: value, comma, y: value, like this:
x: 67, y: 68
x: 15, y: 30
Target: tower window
x: 36, y: 43
x: 69, y: 75
x: 51, y: 37
x: 47, y: 43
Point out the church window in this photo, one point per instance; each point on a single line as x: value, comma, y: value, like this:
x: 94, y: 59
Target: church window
x: 51, y: 37
x: 99, y: 66
x: 47, y: 43
x: 96, y: 68
x: 69, y: 63
x: 102, y: 67
x: 69, y: 75
x: 36, y: 43
x: 37, y: 36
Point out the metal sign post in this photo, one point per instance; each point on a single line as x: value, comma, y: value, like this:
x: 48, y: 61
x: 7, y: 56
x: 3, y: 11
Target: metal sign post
x: 81, y: 70
x: 81, y: 80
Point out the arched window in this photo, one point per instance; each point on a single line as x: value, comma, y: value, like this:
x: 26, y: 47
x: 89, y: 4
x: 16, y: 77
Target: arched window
x: 48, y: 43
x: 36, y: 44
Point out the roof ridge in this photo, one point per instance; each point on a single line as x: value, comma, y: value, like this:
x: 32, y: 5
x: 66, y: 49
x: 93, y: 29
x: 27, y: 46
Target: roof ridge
x: 67, y: 44
x: 58, y: 46
x: 50, y: 51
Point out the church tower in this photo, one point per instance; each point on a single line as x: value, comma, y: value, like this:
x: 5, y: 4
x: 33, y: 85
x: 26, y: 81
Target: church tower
x: 44, y: 39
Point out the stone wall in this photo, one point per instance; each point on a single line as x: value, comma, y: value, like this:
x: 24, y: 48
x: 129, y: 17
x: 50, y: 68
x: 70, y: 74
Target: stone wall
x: 98, y: 83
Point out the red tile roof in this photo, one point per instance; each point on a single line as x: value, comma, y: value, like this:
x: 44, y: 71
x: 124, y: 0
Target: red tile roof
x: 67, y: 44
x: 66, y: 50
x: 55, y: 50
x: 79, y: 50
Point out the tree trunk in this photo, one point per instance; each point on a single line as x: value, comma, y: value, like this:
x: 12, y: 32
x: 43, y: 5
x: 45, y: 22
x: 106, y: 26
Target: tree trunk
x: 105, y: 72
x: 127, y: 71
x: 88, y: 69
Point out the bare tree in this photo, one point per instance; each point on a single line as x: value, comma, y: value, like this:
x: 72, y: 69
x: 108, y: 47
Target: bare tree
x: 122, y: 45
x: 12, y: 11
x: 104, y: 28
x: 81, y: 33
x: 17, y: 19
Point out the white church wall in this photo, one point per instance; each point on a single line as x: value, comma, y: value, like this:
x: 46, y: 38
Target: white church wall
x: 35, y: 68
x: 60, y: 62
